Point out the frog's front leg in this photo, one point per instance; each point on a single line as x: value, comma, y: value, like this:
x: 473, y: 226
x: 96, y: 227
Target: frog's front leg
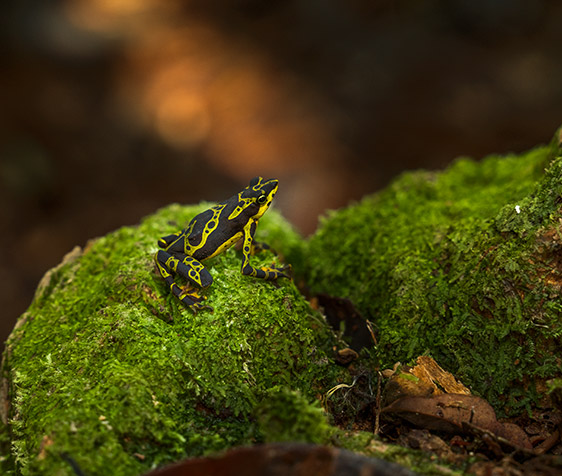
x: 166, y: 241
x: 248, y: 248
x: 190, y: 269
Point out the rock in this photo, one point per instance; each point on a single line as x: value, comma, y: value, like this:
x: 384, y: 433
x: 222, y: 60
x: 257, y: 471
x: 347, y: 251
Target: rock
x: 107, y: 372
x: 463, y: 265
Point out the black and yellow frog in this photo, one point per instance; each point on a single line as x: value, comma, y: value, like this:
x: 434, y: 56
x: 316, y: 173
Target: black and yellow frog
x: 212, y: 232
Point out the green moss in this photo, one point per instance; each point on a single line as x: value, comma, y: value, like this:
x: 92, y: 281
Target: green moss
x: 108, y: 369
x: 417, y: 460
x: 462, y: 264
x: 286, y: 415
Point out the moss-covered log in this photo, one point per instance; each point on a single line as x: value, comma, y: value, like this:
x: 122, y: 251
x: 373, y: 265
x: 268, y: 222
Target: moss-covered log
x: 106, y: 370
x: 464, y: 264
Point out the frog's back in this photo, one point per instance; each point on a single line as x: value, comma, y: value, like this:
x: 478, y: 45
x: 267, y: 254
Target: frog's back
x: 211, y: 232
x: 195, y: 228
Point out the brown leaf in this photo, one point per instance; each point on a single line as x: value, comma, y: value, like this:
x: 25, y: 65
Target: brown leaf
x: 424, y: 379
x: 444, y: 412
x: 425, y: 441
x: 508, y: 437
x: 514, y: 434
x: 444, y: 382
x: 448, y: 412
x: 403, y: 384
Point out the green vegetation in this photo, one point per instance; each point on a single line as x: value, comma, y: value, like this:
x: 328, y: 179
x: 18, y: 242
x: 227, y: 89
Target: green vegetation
x: 110, y: 370
x: 286, y: 415
x: 462, y: 264
x: 421, y: 462
x: 107, y: 370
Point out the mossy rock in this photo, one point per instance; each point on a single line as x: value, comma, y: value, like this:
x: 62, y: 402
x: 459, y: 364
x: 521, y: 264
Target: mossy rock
x: 108, y: 372
x: 463, y: 264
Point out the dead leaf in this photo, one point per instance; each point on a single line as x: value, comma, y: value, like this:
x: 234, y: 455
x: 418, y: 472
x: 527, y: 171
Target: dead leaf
x: 499, y: 442
x: 444, y: 382
x: 424, y: 379
x: 423, y: 440
x: 444, y: 412
x: 448, y: 412
x: 404, y: 384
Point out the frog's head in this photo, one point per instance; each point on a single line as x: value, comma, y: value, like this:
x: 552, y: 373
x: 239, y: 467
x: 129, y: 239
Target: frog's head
x: 257, y: 196
x: 255, y: 199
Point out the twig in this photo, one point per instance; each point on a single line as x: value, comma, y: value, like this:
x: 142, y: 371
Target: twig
x: 548, y: 443
x: 378, y: 404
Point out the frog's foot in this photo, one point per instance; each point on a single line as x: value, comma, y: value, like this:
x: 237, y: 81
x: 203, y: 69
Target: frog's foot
x: 185, y: 266
x: 269, y: 274
x: 258, y: 247
x: 190, y: 298
x: 289, y: 270
x: 197, y: 306
x: 168, y: 264
x: 284, y: 271
x: 191, y: 292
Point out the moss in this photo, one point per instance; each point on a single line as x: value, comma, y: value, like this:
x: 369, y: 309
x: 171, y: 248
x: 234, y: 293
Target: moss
x: 108, y: 370
x: 462, y: 264
x: 286, y: 415
x: 419, y: 461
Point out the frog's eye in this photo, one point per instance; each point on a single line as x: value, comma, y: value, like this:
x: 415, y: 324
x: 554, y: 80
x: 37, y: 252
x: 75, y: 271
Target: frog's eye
x: 262, y: 199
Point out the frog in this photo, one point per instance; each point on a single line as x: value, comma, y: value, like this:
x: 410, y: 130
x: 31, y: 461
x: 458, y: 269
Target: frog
x: 212, y: 232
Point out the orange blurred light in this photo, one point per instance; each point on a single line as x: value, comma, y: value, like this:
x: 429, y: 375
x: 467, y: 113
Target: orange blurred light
x: 182, y: 118
x: 116, y: 17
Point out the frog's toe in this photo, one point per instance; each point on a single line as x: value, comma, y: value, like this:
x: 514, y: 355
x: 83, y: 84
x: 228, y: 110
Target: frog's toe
x: 283, y: 271
x: 195, y: 304
x: 286, y: 271
x: 191, y: 293
x: 200, y: 307
x: 195, y: 297
x: 271, y: 274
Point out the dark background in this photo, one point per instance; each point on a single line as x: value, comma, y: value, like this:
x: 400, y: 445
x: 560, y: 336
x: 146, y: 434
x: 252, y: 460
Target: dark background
x: 110, y: 109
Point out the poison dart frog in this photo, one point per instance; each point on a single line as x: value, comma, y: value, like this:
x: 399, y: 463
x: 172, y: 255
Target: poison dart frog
x: 212, y: 232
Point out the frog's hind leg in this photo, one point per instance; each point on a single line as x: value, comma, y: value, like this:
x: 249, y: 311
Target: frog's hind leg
x: 189, y: 268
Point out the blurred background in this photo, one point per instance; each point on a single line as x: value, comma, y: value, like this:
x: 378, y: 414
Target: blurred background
x: 110, y: 109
